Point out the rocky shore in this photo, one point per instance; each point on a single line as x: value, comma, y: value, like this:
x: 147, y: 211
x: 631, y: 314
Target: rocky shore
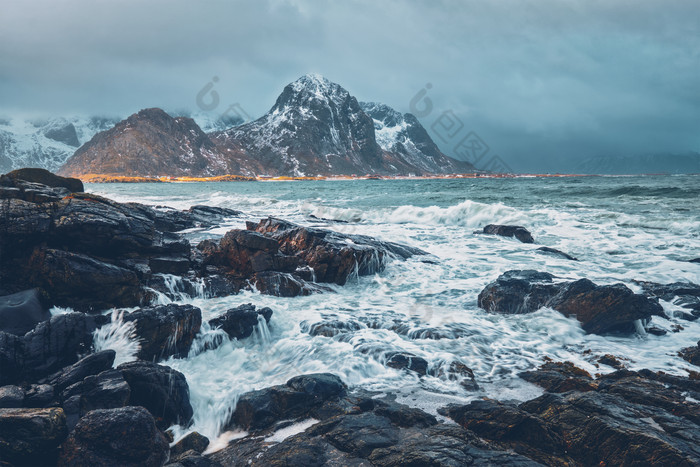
x: 63, y: 401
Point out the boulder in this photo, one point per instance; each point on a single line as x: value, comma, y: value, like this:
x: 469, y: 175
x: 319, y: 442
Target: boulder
x: 165, y: 330
x: 240, y: 322
x: 106, y: 390
x: 20, y: 312
x: 31, y: 436
x: 125, y: 436
x: 191, y: 442
x: 691, y: 354
x: 47, y: 178
x: 560, y: 377
x: 521, y: 233
x: 554, y: 252
x: 11, y: 397
x: 161, y: 390
x: 263, y: 408
x: 87, y: 366
x: 407, y: 361
x: 600, y: 309
x: 331, y: 327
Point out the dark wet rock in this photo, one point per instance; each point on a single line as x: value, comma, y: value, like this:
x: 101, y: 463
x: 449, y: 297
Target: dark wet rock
x: 165, y: 330
x: 655, y: 331
x: 611, y: 360
x: 403, y: 360
x: 107, y: 390
x: 560, y: 377
x: 87, y: 366
x: 282, y: 284
x: 456, y: 371
x: 191, y: 442
x: 695, y: 260
x: 331, y: 327
x: 403, y: 415
x: 508, y: 293
x: 169, y: 265
x: 333, y: 256
x: 11, y: 397
x: 125, y: 436
x: 83, y: 282
x: 192, y: 458
x: 600, y: 308
x: 261, y: 409
x: 51, y: 345
x: 682, y: 294
x: 31, y: 436
x: 44, y: 177
x: 521, y: 233
x: 39, y: 396
x: 523, y: 432
x: 555, y: 252
x: 691, y: 354
x: 240, y: 322
x: 22, y: 311
x: 161, y: 390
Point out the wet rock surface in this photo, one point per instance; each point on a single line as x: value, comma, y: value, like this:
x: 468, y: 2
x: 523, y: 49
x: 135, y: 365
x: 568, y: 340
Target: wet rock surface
x: 31, y: 436
x: 125, y: 436
x: 240, y: 322
x: 554, y: 252
x: 516, y: 231
x: 600, y: 308
x: 22, y: 311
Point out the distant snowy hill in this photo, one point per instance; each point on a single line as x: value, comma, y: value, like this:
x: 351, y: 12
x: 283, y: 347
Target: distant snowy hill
x: 45, y: 143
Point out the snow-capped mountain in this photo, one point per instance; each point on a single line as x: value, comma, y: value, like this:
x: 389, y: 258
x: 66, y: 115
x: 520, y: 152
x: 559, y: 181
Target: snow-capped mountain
x: 314, y: 128
x: 150, y: 142
x: 45, y: 143
x: 403, y: 134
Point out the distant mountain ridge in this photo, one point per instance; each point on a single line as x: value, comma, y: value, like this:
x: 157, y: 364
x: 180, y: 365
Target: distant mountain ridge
x: 314, y: 128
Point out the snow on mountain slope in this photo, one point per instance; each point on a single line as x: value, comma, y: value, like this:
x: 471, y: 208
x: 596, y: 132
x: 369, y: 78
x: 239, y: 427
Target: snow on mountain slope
x: 45, y: 143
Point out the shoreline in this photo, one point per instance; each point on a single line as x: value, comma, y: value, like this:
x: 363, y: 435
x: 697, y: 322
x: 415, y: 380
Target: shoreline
x: 110, y: 178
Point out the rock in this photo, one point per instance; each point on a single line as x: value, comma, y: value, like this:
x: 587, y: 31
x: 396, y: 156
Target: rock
x: 192, y: 458
x: 282, y: 284
x: 87, y: 366
x: 169, y: 265
x: 44, y: 177
x: 20, y: 312
x: 403, y: 360
x: 107, y: 390
x: 330, y: 328
x: 64, y: 133
x: 240, y: 322
x: 555, y: 252
x: 508, y: 292
x: 50, y: 346
x: 165, y: 330
x: 261, y: 409
x: 612, y: 361
x: 560, y: 377
x: 600, y: 309
x: 161, y: 390
x: 31, y: 436
x: 521, y: 233
x: 695, y: 260
x: 192, y: 441
x: 691, y: 354
x: 125, y: 436
x: 39, y: 396
x: 11, y: 397
x: 82, y: 282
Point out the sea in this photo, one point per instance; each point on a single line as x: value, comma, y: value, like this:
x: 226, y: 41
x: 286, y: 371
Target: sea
x: 621, y: 229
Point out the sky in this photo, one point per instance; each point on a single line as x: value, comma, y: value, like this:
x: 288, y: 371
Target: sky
x: 542, y: 84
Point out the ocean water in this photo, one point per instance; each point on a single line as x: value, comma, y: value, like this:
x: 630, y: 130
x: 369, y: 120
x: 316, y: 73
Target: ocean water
x: 620, y: 228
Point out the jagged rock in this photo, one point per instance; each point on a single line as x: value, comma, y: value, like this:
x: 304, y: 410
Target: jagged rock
x: 521, y: 233
x: 600, y: 309
x: 82, y: 282
x: 87, y: 366
x: 691, y: 354
x: 261, y: 409
x: 161, y: 390
x: 555, y: 252
x: 11, y: 397
x: 125, y: 436
x: 31, y: 436
x: 20, y: 312
x: 107, y: 390
x: 192, y: 458
x: 44, y: 177
x: 51, y: 345
x: 612, y: 361
x: 165, y: 330
x: 39, y: 396
x: 403, y: 360
x: 191, y: 442
x: 330, y: 328
x: 169, y: 265
x: 560, y: 377
x: 240, y: 322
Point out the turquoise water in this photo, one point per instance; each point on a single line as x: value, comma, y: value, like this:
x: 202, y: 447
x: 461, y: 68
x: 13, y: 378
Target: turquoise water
x: 621, y: 229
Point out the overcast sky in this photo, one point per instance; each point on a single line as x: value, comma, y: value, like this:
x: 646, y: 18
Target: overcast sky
x: 543, y: 83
